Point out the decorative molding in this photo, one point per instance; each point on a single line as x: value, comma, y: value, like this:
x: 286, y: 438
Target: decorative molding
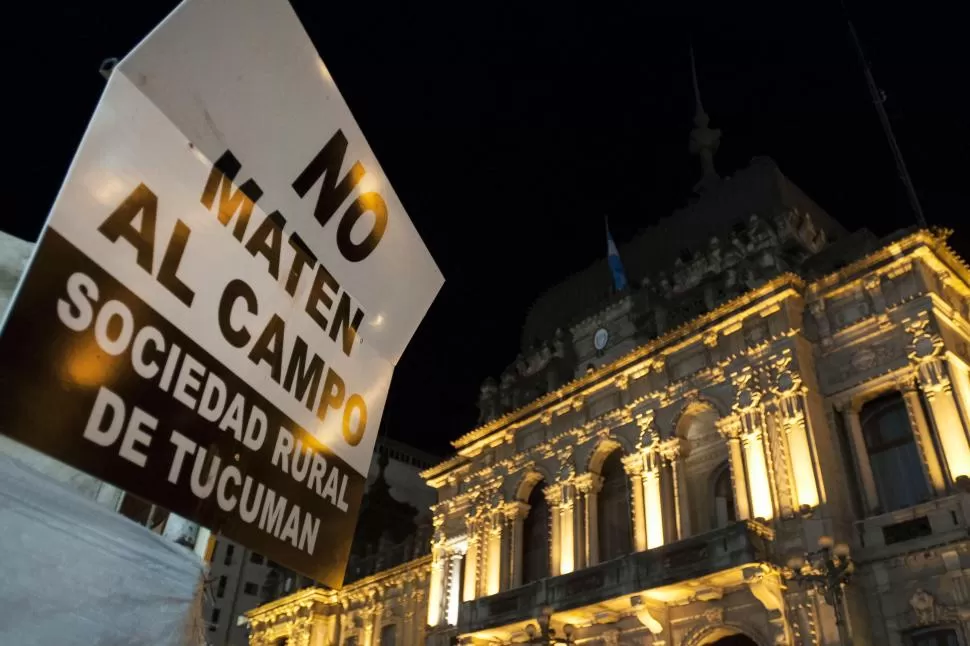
x: 633, y: 464
x: 927, y: 610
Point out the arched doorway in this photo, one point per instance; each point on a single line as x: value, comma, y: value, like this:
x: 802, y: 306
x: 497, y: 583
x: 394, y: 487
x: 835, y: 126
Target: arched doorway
x: 535, y: 537
x: 734, y: 640
x: 613, y: 507
x: 706, y: 452
x: 723, y: 511
x: 722, y: 635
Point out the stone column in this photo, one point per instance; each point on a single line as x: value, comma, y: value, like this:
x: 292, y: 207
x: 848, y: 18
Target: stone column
x: 924, y: 439
x: 579, y: 529
x: 436, y: 586
x: 936, y: 385
x: 730, y: 429
x: 589, y: 485
x: 333, y: 628
x: 470, y: 587
x: 667, y: 497
x: 493, y: 560
x: 516, y: 513
x: 319, y: 626
x: 375, y: 623
x: 754, y: 458
x: 674, y: 451
x: 368, y: 617
x: 793, y: 414
x: 406, y: 626
x: 567, y: 529
x: 960, y: 377
x: 857, y: 442
x: 553, y: 495
x: 653, y: 507
x: 633, y: 465
x: 454, y: 581
x: 508, y: 527
x: 417, y: 627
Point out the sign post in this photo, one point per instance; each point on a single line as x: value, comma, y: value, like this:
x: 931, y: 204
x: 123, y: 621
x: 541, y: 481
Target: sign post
x: 226, y: 280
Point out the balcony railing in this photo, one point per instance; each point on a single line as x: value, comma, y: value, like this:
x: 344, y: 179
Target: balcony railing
x: 721, y: 549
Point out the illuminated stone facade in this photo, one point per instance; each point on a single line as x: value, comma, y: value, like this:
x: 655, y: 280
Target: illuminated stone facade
x: 647, y: 466
x: 772, y: 388
x: 389, y: 607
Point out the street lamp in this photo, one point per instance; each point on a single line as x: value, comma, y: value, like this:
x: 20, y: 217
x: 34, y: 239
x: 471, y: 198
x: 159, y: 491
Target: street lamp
x: 827, y: 570
x: 544, y: 633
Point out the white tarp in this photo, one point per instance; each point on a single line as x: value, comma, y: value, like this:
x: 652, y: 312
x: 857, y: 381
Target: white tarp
x: 76, y: 573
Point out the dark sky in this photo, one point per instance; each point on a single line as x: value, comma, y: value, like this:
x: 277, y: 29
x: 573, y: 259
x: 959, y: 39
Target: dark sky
x: 509, y: 129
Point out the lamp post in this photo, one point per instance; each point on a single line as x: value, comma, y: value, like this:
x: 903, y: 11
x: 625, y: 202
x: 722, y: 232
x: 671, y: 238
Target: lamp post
x: 827, y: 570
x: 544, y: 633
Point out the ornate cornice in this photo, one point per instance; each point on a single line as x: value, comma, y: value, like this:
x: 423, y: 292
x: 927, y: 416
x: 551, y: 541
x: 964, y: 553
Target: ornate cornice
x: 301, y: 602
x: 633, y: 464
x: 588, y: 483
x: 779, y: 288
x: 729, y: 427
x: 649, y: 358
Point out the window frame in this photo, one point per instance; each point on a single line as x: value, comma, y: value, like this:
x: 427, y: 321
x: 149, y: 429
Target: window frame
x: 913, y: 637
x: 868, y: 451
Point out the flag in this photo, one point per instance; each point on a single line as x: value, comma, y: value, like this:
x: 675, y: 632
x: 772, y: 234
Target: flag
x: 613, y: 258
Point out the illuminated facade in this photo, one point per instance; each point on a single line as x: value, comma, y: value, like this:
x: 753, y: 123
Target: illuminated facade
x: 654, y: 463
x: 834, y: 406
x: 389, y: 608
x: 831, y: 407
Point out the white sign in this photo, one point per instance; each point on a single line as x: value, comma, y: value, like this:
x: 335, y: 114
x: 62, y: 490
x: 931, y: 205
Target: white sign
x: 232, y: 257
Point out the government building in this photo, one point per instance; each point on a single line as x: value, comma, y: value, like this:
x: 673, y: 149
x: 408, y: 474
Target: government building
x: 763, y: 440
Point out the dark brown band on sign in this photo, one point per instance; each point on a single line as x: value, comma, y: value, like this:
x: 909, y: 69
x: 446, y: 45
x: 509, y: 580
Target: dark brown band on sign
x: 51, y: 378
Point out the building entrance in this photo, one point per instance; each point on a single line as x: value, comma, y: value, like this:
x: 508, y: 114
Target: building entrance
x: 734, y: 640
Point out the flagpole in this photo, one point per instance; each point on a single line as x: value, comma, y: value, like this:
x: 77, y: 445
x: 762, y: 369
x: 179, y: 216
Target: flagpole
x: 878, y: 100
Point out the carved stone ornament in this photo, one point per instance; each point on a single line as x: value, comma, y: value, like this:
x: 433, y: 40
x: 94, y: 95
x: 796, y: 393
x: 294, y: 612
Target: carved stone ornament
x: 863, y: 359
x: 924, y: 607
x: 747, y: 398
x: 786, y: 382
x: 714, y: 615
x: 924, y: 346
x: 611, y: 637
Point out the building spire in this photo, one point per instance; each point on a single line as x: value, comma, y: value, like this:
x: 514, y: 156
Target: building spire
x: 704, y: 140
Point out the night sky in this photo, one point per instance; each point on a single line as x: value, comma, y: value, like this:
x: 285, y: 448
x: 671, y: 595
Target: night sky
x: 510, y: 129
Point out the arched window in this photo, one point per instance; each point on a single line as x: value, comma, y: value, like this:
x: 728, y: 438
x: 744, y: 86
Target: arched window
x: 614, y: 510
x: 389, y: 635
x: 723, y: 513
x: 893, y: 453
x: 535, y: 537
